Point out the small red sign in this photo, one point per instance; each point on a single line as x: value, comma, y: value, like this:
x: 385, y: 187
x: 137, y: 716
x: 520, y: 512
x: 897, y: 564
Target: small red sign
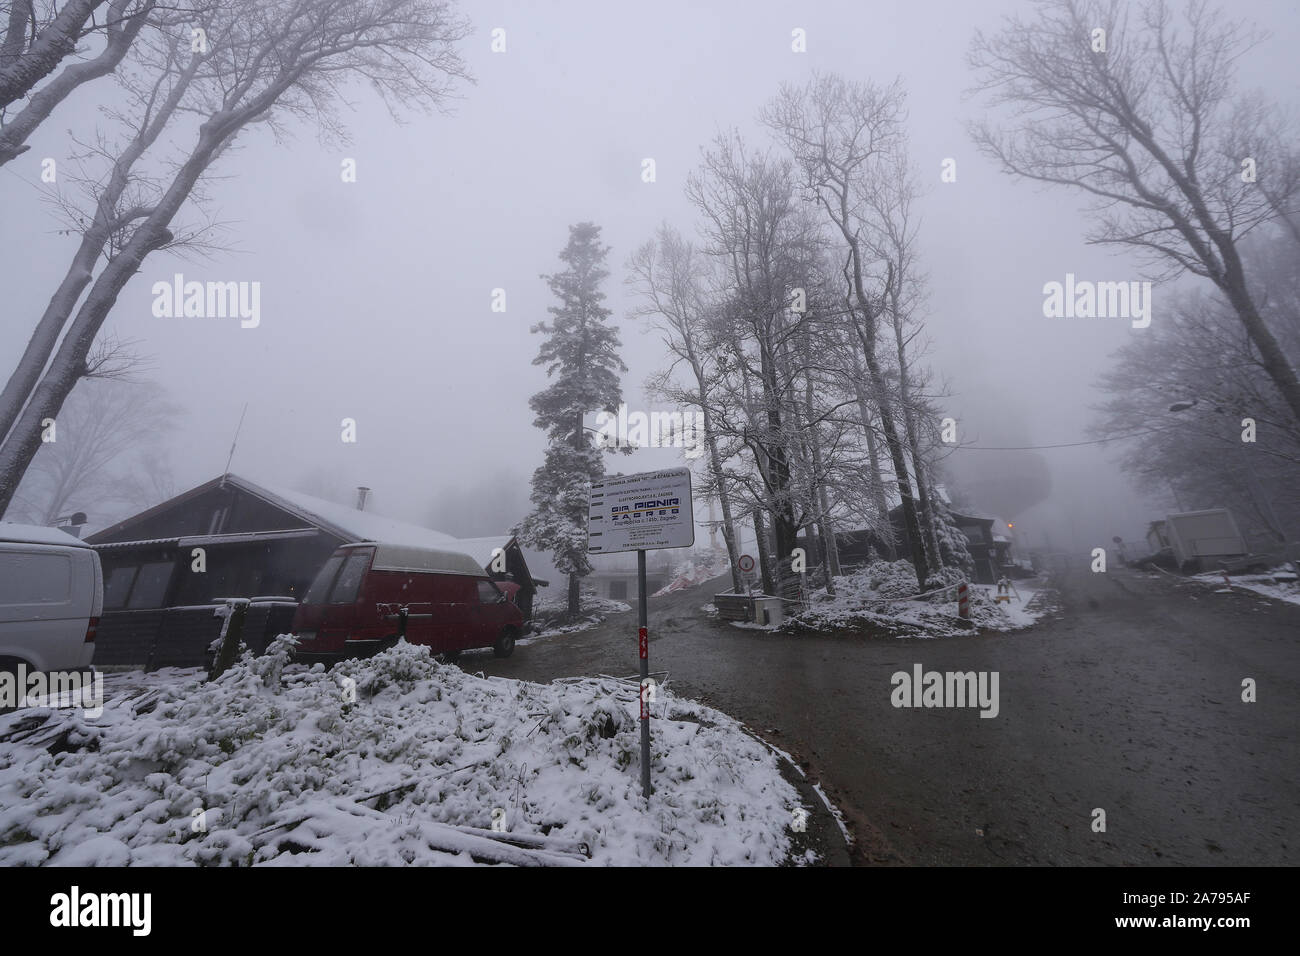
x: 746, y: 563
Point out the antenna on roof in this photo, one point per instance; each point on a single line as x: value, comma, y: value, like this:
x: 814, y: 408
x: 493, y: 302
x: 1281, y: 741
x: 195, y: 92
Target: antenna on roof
x: 234, y: 441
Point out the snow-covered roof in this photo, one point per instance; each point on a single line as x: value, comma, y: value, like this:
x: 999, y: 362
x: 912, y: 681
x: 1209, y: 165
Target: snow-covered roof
x: 344, y: 522
x: 482, y: 549
x: 349, y: 522
x: 37, y: 534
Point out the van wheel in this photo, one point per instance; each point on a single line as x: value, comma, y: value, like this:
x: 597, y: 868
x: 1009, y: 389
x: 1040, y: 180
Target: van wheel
x: 505, y: 645
x: 10, y: 665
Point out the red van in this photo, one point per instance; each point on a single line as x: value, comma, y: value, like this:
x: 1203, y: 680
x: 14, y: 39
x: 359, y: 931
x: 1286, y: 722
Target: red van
x: 353, y: 607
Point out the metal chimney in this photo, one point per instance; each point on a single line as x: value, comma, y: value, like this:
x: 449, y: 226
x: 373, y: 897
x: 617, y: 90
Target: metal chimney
x: 362, y: 494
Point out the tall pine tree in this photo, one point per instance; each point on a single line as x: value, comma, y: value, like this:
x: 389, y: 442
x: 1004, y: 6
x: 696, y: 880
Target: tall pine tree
x: 581, y: 356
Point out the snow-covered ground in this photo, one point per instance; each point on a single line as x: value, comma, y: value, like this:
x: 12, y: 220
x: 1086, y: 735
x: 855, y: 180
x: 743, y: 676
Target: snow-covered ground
x: 549, y: 616
x: 392, y: 760
x: 875, y: 598
x: 1280, y: 583
x: 694, y: 572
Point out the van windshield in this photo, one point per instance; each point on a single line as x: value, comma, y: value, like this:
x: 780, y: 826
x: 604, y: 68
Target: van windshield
x: 321, y: 586
x: 354, y: 569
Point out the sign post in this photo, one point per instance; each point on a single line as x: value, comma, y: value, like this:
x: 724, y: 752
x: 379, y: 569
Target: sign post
x: 746, y: 565
x: 637, y: 513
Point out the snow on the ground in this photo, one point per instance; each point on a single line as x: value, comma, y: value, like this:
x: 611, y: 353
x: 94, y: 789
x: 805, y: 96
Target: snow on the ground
x: 875, y: 598
x: 290, y: 766
x: 550, y: 616
x: 1279, y: 584
x: 695, y: 572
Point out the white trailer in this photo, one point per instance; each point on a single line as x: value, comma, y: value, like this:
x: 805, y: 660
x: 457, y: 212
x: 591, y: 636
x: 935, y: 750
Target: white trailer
x: 1203, y: 535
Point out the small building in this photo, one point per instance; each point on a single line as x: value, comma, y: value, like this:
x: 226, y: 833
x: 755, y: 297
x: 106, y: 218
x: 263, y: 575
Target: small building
x: 167, y: 569
x: 1198, y: 539
x: 988, y: 539
x: 614, y: 576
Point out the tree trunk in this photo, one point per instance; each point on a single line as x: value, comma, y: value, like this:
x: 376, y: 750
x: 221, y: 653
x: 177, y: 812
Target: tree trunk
x: 830, y: 559
x: 575, y: 596
x: 911, y: 527
x: 1271, y: 356
x: 877, y: 489
x: 720, y: 484
x: 764, y: 562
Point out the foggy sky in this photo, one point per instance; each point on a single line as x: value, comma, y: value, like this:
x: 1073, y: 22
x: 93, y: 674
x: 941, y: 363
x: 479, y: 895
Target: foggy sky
x: 376, y: 295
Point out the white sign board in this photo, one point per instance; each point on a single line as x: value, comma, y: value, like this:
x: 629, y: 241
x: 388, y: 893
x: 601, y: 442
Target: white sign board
x: 641, y: 512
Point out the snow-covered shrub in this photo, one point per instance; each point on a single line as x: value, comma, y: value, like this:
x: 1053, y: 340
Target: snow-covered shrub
x: 944, y: 578
x: 893, y: 579
x: 277, y: 763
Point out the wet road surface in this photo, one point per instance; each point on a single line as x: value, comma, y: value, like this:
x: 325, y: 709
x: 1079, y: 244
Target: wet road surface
x: 1128, y: 700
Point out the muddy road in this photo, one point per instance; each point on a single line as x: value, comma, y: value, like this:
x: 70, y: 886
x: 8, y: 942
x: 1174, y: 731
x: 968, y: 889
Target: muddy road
x: 1128, y: 699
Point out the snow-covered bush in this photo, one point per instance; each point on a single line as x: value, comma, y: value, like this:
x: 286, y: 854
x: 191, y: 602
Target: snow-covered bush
x: 374, y: 762
x: 892, y: 579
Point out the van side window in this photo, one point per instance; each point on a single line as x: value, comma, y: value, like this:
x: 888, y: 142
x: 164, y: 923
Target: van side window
x: 324, y: 578
x: 32, y: 578
x: 349, y: 582
x: 488, y: 593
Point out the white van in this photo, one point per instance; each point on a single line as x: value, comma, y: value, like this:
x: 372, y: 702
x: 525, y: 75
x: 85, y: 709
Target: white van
x: 51, y: 597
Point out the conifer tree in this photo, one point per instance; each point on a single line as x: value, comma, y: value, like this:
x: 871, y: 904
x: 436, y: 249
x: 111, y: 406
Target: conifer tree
x: 580, y: 353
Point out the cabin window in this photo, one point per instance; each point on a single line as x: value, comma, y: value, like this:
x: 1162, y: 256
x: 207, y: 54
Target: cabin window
x: 349, y: 582
x: 150, y: 586
x: 118, y: 586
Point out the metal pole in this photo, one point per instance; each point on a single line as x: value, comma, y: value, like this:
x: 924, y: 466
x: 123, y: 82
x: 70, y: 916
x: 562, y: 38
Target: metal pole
x: 643, y: 642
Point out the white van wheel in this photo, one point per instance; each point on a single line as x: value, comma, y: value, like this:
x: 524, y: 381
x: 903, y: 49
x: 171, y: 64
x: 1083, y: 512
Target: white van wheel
x: 10, y: 665
x: 505, y: 645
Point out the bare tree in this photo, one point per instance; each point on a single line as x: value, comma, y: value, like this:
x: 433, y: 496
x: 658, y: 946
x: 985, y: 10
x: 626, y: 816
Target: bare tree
x: 1136, y: 108
x: 762, y: 240
x: 894, y: 234
x: 668, y: 274
x: 105, y: 454
x: 1189, y: 391
x: 261, y: 62
x: 843, y: 136
x: 38, y: 38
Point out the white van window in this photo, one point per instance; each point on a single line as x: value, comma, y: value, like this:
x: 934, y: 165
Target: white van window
x: 151, y: 585
x: 28, y: 577
x: 488, y: 593
x: 354, y: 568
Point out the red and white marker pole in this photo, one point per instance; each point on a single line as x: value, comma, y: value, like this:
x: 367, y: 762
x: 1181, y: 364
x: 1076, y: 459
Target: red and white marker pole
x: 963, y: 601
x: 643, y: 642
